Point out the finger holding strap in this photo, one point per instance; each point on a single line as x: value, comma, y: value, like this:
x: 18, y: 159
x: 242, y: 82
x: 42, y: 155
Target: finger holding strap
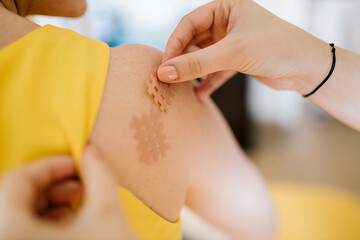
x: 100, y: 185
x: 21, y: 188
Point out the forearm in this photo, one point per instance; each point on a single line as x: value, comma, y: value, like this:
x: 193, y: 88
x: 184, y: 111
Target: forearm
x: 340, y: 95
x: 254, y: 41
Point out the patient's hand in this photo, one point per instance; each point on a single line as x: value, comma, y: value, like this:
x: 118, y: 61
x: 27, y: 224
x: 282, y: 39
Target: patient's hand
x: 22, y: 189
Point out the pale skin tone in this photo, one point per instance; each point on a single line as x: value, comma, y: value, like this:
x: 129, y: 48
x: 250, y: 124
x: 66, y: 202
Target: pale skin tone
x: 240, y: 35
x: 204, y: 167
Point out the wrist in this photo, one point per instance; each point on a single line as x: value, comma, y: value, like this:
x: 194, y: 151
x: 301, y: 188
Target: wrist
x: 315, y: 66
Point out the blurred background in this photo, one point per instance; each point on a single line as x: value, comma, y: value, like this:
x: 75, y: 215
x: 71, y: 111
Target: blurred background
x: 295, y: 144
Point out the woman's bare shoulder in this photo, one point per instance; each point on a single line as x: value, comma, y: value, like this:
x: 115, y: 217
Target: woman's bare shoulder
x: 188, y: 132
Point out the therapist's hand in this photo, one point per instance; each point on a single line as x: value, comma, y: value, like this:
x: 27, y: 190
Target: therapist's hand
x: 242, y: 36
x: 21, y: 190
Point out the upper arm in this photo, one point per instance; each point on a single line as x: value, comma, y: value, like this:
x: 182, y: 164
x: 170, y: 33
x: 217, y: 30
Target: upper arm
x: 201, y: 160
x: 162, y: 185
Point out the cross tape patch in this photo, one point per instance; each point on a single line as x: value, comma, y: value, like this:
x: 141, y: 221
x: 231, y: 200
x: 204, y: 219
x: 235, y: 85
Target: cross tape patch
x: 150, y: 137
x: 162, y: 93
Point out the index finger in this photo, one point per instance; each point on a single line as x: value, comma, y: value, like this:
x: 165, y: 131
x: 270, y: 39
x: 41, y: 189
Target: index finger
x: 198, y: 21
x: 22, y: 186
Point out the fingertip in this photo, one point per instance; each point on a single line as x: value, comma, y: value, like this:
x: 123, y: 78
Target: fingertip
x: 201, y: 94
x: 167, y: 73
x: 90, y: 154
x: 205, y: 89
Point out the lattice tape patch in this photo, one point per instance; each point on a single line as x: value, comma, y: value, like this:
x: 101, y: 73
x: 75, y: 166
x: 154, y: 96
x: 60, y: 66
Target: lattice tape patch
x: 150, y: 137
x: 162, y: 93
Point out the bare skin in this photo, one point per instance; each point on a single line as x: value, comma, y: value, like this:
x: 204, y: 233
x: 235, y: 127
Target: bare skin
x: 204, y: 167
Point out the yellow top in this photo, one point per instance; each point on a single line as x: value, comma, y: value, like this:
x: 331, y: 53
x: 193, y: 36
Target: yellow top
x: 51, y: 84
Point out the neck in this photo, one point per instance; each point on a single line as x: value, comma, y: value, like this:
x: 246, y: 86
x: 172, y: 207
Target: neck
x: 12, y: 26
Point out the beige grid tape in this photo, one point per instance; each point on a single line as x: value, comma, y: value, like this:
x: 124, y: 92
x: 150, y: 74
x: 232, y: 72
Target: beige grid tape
x: 150, y: 136
x: 162, y: 93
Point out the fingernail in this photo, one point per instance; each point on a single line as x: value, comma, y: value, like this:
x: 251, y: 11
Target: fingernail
x: 167, y: 73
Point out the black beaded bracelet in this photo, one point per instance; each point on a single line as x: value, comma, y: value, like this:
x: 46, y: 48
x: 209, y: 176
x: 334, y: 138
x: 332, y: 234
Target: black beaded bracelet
x: 328, y: 76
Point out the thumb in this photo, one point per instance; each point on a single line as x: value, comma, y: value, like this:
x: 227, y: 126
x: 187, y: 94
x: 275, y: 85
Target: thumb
x: 196, y: 64
x: 100, y: 185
